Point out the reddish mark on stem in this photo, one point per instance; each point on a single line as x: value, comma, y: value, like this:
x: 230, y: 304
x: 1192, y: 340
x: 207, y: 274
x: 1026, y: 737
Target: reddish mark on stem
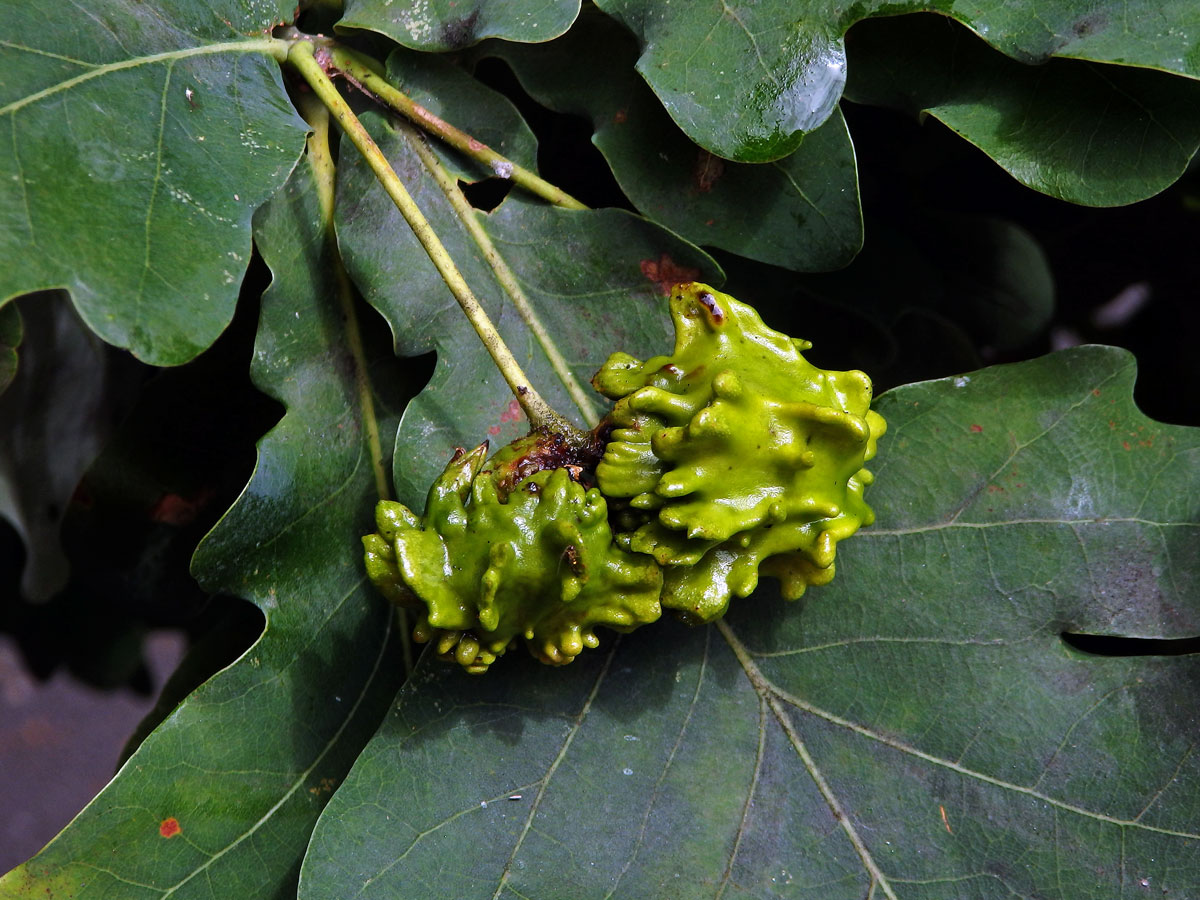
x: 168, y: 828
x: 976, y: 429
x: 666, y: 273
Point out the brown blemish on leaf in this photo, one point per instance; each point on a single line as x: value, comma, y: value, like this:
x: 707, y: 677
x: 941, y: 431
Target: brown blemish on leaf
x: 707, y: 171
x: 666, y: 273
x: 620, y: 117
x: 324, y: 786
x: 170, y: 827
x: 512, y: 413
x: 976, y: 429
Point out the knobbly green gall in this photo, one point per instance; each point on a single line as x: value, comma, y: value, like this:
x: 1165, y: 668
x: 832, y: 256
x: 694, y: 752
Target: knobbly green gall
x: 511, y: 548
x: 735, y: 456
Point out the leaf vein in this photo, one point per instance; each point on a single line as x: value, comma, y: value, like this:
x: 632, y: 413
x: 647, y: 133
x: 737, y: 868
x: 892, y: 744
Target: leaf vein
x: 270, y: 46
x: 549, y: 776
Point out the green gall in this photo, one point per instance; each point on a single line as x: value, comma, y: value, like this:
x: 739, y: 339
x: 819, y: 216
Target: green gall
x: 735, y: 456
x: 511, y: 548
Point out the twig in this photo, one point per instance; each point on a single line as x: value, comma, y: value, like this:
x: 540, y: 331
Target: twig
x: 358, y: 69
x: 504, y: 274
x: 541, y: 415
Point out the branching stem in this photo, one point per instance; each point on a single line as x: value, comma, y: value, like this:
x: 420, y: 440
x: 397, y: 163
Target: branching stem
x: 321, y: 162
x: 541, y: 415
x: 359, y: 70
x: 504, y: 274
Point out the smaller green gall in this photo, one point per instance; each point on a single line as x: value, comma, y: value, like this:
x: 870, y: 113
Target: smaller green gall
x: 734, y: 456
x: 511, y: 548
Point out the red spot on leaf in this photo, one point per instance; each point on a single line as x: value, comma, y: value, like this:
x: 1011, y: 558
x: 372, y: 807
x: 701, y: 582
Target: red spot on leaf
x: 1125, y: 444
x: 494, y: 430
x: 513, y: 413
x: 1095, y: 392
x: 666, y: 273
x: 168, y: 828
x: 707, y: 171
x: 976, y: 429
x: 710, y: 221
x: 620, y: 117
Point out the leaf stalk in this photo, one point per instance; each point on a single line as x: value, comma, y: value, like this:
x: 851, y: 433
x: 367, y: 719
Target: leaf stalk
x: 303, y: 58
x: 503, y: 272
x: 358, y: 70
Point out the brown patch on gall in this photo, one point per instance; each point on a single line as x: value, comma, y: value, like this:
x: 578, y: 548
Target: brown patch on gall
x: 168, y: 828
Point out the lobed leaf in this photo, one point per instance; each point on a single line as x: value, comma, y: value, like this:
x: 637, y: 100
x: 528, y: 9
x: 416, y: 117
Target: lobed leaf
x: 220, y: 800
x: 440, y: 25
x: 916, y: 729
x: 141, y: 138
x: 748, y: 80
x: 1100, y: 135
x: 42, y: 455
x: 801, y: 212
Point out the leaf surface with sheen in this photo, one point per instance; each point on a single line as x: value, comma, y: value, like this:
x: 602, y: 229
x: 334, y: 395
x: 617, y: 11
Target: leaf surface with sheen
x: 140, y: 139
x: 220, y: 799
x: 801, y: 212
x: 1100, y: 135
x: 440, y: 25
x: 748, y: 80
x: 916, y: 729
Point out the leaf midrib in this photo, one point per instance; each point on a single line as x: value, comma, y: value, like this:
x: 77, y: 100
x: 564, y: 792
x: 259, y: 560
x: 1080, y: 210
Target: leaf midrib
x: 770, y: 691
x: 270, y: 46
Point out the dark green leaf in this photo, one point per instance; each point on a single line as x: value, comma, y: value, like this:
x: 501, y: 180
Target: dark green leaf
x: 987, y: 275
x: 245, y: 764
x: 918, y: 728
x: 800, y: 212
x: 448, y: 25
x: 747, y: 80
x: 140, y: 139
x: 1095, y: 134
x: 595, y: 277
x: 446, y: 91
